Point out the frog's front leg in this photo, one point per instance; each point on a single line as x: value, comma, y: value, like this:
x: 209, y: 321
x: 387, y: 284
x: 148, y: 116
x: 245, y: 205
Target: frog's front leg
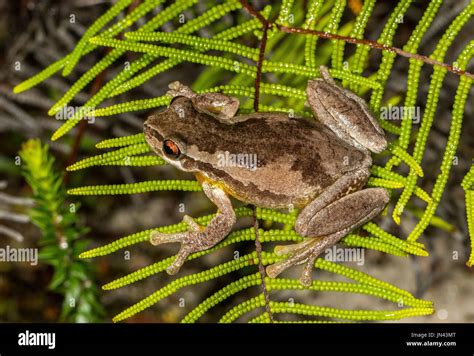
x: 219, y: 106
x: 200, y: 238
x: 328, y: 218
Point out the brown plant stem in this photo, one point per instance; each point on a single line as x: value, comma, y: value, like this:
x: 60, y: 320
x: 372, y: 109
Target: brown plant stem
x: 372, y: 44
x: 261, y: 268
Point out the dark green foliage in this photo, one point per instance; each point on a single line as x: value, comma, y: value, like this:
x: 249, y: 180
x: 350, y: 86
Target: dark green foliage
x: 60, y: 228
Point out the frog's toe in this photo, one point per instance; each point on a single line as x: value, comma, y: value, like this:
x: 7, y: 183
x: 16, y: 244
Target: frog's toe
x: 175, y: 85
x: 174, y: 93
x: 278, y: 267
x: 191, y: 241
x: 275, y: 269
x: 304, y: 252
x: 183, y: 254
x: 158, y: 238
x: 306, y: 278
x: 188, y: 246
x: 299, y: 253
x: 193, y: 225
x: 281, y: 250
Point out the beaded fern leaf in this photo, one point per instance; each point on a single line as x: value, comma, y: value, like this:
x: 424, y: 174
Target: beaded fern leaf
x: 290, y: 60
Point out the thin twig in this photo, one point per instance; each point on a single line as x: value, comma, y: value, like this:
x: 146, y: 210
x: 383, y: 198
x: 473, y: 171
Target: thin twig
x: 258, y: 79
x: 15, y: 217
x: 13, y: 200
x: 261, y: 53
x: 377, y: 45
x: 261, y: 268
x: 15, y: 235
x: 254, y: 12
x: 370, y: 43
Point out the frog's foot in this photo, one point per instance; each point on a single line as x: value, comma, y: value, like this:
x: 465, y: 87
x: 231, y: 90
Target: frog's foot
x: 191, y: 241
x: 199, y: 238
x: 325, y: 221
x: 179, y: 89
x: 304, y: 252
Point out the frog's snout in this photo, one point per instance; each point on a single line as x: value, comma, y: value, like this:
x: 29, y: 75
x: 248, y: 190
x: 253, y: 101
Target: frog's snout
x: 147, y: 129
x: 152, y: 136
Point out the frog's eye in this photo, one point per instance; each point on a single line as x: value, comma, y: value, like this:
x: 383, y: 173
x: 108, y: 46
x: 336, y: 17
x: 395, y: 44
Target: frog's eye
x: 171, y: 149
x: 174, y: 98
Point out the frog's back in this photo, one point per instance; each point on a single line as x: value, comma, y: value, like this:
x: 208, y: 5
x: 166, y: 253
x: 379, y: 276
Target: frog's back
x: 272, y: 160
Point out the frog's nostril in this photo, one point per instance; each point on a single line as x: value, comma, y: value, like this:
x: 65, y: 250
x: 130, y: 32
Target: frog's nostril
x: 146, y: 129
x: 151, y: 132
x: 148, y: 122
x: 146, y: 126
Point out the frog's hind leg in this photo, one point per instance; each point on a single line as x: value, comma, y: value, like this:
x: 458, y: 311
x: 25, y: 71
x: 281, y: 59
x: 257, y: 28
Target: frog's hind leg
x: 345, y: 113
x: 351, y: 181
x: 324, y: 227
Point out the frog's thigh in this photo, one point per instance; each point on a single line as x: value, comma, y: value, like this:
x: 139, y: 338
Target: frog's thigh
x: 350, y: 182
x: 344, y: 214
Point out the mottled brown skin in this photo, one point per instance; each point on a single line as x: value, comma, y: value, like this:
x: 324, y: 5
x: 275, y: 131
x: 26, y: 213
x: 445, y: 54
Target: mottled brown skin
x: 306, y: 146
x: 331, y: 104
x: 319, y: 166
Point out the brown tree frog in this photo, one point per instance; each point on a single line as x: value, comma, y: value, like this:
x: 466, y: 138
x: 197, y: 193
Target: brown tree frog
x: 319, y: 166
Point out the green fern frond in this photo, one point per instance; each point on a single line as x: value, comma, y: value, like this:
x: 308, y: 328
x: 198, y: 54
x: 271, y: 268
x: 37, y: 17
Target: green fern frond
x: 468, y: 186
x: 460, y: 100
x: 134, y: 188
x: 173, y: 53
x: 131, y: 106
x: 91, y: 31
x: 122, y: 141
x: 228, y: 34
x: 311, y: 310
x: 122, y: 154
x: 409, y: 160
x: 421, y: 308
x: 428, y: 116
x: 195, y: 41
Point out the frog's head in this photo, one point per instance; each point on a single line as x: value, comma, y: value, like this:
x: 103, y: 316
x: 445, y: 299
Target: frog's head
x: 169, y: 132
